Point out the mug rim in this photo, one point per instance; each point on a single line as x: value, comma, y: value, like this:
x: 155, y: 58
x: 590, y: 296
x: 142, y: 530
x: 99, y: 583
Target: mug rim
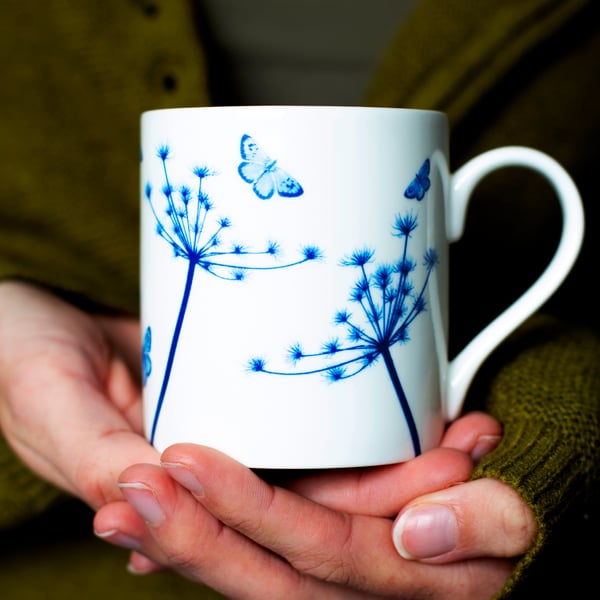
x: 299, y: 107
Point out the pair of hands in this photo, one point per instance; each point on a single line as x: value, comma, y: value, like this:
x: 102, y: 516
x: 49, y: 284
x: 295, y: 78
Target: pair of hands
x: 70, y: 406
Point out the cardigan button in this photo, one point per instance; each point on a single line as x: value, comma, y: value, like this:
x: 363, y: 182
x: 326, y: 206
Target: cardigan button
x: 165, y: 74
x: 149, y: 7
x: 169, y: 82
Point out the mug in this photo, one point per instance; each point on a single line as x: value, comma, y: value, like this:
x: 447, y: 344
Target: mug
x: 294, y: 280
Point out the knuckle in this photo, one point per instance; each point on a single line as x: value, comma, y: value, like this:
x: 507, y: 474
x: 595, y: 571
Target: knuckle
x: 183, y: 560
x: 519, y: 526
x: 195, y: 556
x: 325, y: 568
x: 334, y: 563
x: 250, y: 523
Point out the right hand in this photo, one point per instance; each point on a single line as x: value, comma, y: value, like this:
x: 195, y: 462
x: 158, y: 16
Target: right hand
x: 327, y: 535
x: 216, y: 522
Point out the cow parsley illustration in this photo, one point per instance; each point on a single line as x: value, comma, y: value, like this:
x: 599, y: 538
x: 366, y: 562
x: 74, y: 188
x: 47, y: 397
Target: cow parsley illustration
x: 387, y: 304
x: 188, y: 226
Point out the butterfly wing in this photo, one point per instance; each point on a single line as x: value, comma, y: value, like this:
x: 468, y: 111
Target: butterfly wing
x: 251, y: 151
x: 264, y: 186
x: 423, y: 175
x: 147, y: 340
x: 146, y: 361
x: 414, y: 191
x: 286, y: 185
x: 420, y: 184
x: 147, y: 367
x: 251, y: 171
x: 254, y: 168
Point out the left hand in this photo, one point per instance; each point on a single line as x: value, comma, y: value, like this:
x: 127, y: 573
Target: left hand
x: 70, y: 400
x: 216, y: 522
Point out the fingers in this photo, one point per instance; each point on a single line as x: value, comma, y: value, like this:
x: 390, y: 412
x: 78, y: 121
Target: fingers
x: 248, y: 524
x: 124, y: 336
x: 383, y: 491
x: 479, y: 518
x: 475, y: 433
x: 142, y: 565
x: 171, y: 528
x: 246, y: 504
x: 225, y: 527
x: 255, y: 511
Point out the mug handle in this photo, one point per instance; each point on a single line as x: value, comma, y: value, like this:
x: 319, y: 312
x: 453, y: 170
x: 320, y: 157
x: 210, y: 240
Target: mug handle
x: 463, y: 367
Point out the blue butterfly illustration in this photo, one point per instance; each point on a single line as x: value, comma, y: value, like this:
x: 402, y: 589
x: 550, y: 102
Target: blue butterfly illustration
x: 420, y: 184
x: 146, y: 361
x: 263, y: 173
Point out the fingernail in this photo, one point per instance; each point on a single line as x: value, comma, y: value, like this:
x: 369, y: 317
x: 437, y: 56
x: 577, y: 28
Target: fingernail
x: 114, y: 536
x: 141, y: 497
x: 182, y: 475
x: 485, y: 444
x: 425, y: 532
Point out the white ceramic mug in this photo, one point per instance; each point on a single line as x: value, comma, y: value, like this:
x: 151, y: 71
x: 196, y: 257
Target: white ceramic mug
x: 295, y: 280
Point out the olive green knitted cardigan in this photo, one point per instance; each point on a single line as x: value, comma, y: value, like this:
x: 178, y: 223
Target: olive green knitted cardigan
x: 75, y: 78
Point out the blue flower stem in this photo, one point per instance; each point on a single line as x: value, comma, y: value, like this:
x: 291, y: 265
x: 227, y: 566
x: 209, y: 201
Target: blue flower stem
x: 396, y: 310
x: 182, y: 309
x: 410, y: 421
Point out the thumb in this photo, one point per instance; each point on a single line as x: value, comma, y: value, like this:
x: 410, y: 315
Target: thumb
x: 481, y: 518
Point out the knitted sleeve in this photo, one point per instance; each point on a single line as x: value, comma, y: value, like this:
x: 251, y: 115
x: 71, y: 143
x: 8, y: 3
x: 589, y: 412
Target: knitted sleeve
x: 546, y: 394
x: 69, y: 158
x: 69, y: 115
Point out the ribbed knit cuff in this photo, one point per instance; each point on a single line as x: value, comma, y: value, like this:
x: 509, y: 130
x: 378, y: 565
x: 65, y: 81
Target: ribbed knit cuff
x: 547, y: 397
